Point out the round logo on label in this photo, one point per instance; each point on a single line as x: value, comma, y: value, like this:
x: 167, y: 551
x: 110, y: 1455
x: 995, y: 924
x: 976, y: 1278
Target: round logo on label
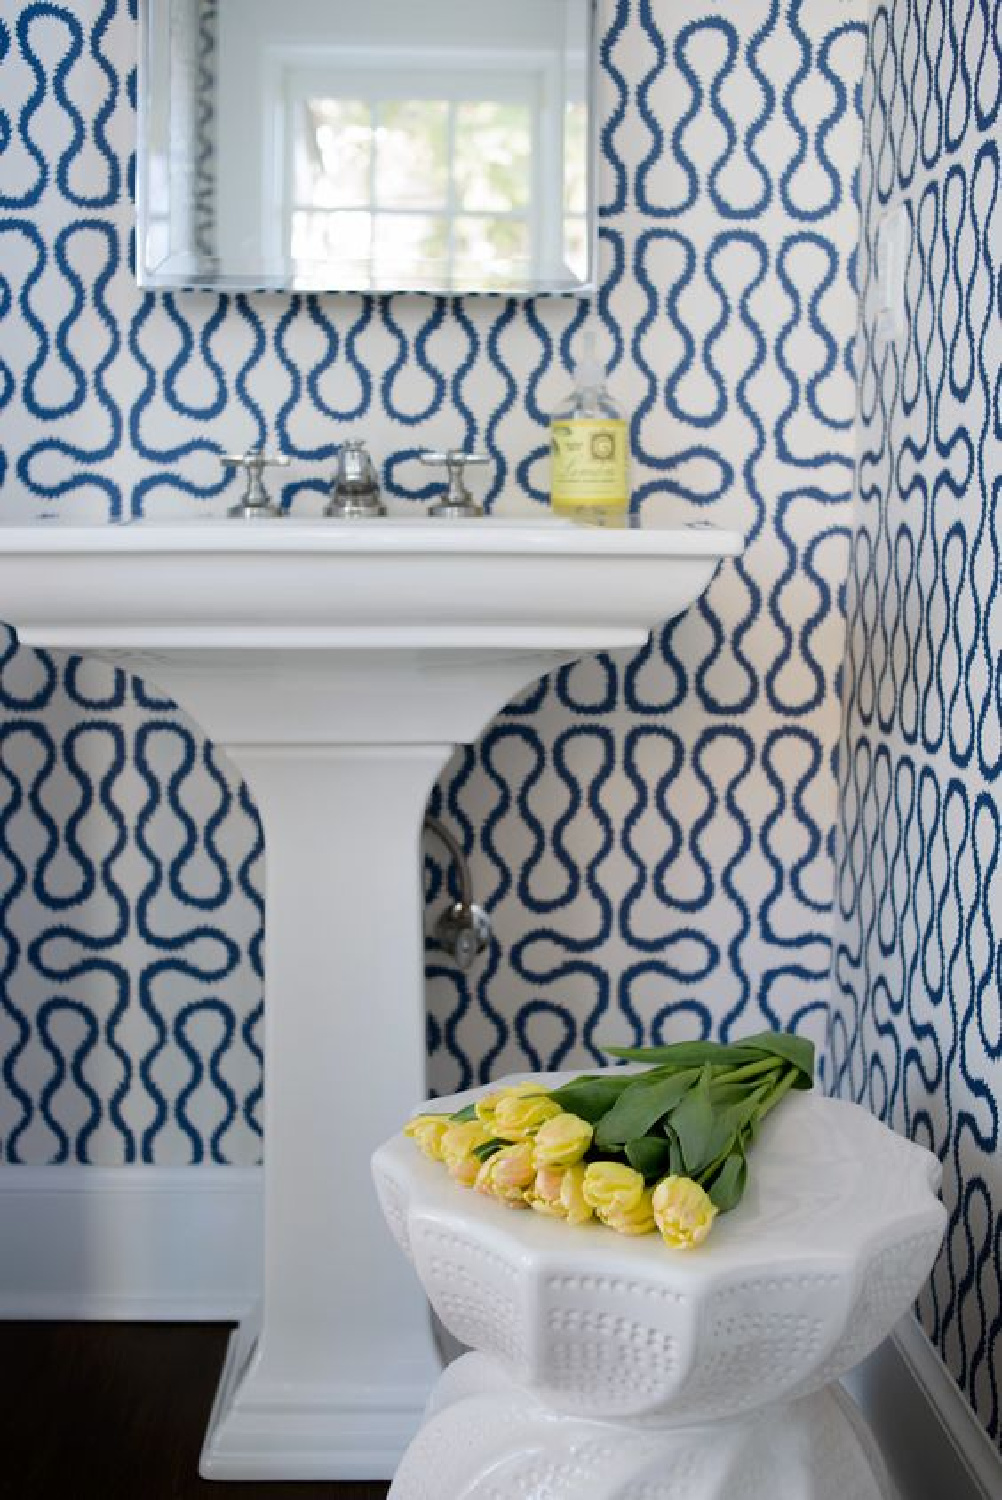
x: 603, y: 446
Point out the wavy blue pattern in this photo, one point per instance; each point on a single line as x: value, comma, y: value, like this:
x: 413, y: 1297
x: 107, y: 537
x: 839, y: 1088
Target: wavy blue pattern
x: 651, y: 834
x: 916, y: 1024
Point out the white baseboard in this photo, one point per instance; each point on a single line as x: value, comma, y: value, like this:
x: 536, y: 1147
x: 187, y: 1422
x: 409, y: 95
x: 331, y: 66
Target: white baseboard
x: 132, y: 1244
x: 934, y: 1446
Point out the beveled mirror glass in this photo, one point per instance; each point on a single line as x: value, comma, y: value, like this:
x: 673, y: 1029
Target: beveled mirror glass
x: 367, y: 145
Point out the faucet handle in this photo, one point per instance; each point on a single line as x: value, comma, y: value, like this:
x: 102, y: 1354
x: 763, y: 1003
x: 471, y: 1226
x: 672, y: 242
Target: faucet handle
x: 256, y: 501
x: 255, y: 460
x: 457, y: 502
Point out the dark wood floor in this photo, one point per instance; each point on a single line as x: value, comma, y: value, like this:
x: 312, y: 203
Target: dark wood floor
x: 118, y: 1411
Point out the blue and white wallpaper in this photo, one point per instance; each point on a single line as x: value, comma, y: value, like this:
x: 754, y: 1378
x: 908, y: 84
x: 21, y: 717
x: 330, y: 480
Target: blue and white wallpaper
x: 653, y: 835
x: 916, y: 1022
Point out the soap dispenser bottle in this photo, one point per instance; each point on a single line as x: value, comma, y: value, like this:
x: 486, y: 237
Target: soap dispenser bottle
x: 588, y: 438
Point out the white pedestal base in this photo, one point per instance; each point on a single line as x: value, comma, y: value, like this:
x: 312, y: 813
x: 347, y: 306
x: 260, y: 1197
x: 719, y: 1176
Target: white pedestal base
x: 330, y: 1380
x: 341, y: 751
x: 354, y: 1431
x: 486, y: 1438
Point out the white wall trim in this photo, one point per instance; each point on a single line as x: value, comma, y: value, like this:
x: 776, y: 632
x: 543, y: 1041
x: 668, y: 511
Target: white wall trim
x: 136, y: 1244
x: 934, y: 1446
x: 962, y: 1427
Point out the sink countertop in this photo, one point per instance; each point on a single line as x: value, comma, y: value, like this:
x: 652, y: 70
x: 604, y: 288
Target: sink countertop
x: 397, y: 534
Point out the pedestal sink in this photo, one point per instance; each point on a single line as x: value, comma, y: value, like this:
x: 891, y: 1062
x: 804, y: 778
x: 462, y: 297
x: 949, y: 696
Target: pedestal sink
x: 339, y: 664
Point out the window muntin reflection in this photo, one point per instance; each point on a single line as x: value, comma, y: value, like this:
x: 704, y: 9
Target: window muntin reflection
x: 408, y: 181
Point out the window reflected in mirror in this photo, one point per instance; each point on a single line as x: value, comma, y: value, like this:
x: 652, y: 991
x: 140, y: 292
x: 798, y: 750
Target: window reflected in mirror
x: 441, y: 146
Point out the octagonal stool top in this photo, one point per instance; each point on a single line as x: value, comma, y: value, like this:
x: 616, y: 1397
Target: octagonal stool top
x: 703, y: 1374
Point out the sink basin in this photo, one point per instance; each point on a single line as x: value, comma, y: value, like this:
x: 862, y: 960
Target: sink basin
x: 366, y: 584
x: 339, y: 664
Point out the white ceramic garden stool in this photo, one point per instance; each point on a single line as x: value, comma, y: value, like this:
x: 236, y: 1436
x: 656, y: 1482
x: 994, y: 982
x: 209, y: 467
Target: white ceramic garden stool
x: 610, y: 1368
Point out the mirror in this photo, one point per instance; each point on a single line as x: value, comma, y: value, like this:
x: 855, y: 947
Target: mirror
x: 367, y: 145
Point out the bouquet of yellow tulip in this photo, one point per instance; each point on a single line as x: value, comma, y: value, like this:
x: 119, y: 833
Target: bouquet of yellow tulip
x: 664, y: 1149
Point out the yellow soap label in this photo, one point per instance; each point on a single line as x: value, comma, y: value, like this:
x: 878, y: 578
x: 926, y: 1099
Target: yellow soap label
x: 589, y: 464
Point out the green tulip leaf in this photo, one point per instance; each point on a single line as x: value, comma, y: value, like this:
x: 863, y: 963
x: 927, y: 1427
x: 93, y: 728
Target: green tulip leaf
x: 489, y: 1149
x: 722, y: 1140
x: 591, y: 1098
x: 678, y: 1055
x: 731, y: 1122
x: 464, y: 1116
x: 692, y: 1121
x: 639, y: 1108
x: 729, y: 1184
x: 676, y: 1164
x: 649, y: 1155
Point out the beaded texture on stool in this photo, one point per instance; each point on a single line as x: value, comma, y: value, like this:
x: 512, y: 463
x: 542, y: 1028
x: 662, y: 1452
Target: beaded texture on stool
x: 837, y: 1231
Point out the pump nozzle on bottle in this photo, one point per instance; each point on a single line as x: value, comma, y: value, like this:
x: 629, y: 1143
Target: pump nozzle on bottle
x: 589, y: 372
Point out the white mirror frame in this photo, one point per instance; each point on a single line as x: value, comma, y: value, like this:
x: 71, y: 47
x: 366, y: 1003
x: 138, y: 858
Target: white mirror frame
x: 161, y: 225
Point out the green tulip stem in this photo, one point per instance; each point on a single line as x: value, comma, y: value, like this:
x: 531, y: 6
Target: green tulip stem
x: 762, y: 1092
x: 781, y: 1090
x: 751, y: 1070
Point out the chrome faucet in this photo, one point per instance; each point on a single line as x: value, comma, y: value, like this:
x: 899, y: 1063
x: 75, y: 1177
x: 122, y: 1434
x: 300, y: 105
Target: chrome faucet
x: 355, y: 491
x: 256, y: 504
x: 457, y: 502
